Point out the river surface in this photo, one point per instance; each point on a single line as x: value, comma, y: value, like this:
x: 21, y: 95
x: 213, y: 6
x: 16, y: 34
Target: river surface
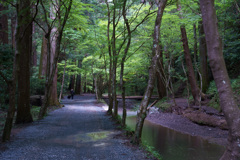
x: 174, y: 145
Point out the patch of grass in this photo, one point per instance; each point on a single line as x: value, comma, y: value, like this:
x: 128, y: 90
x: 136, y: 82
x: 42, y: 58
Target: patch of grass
x: 128, y: 131
x: 35, y: 112
x: 214, y: 102
x: 152, y: 152
x: 163, y: 105
x: 98, y: 135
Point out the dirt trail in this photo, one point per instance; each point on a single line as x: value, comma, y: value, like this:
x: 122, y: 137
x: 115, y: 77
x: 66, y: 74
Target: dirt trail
x: 80, y: 130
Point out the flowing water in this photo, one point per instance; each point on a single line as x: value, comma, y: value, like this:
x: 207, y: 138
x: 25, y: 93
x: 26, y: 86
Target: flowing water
x: 173, y: 145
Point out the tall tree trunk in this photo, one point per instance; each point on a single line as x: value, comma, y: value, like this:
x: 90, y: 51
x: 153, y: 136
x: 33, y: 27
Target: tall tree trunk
x: 85, y: 84
x: 191, y: 76
x: 195, y: 51
x: 13, y: 31
x: 114, y: 66
x: 203, y: 58
x: 228, y: 103
x: 34, y: 49
x: 43, y: 59
x: 124, y: 114
x: 190, y: 71
x: 152, y: 72
x: 98, y: 86
x: 161, y: 86
x: 78, y: 88
x: 53, y: 99
x: 110, y: 99
x: 23, y: 44
x: 63, y: 77
x: 4, y: 26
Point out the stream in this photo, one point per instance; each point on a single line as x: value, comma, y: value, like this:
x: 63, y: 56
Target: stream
x: 174, y: 145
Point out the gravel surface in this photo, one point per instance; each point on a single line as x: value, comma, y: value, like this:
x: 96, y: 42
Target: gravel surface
x: 80, y: 130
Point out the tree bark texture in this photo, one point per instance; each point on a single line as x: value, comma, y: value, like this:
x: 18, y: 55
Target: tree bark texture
x: 63, y: 77
x: 203, y: 59
x: 129, y: 37
x: 114, y: 64
x: 141, y: 115
x: 3, y: 26
x: 13, y: 31
x: 218, y: 67
x: 98, y: 86
x: 24, y: 46
x: 190, y: 71
x: 195, y: 51
x: 34, y: 49
x: 53, y: 99
x: 43, y: 59
x: 161, y: 79
x: 110, y: 63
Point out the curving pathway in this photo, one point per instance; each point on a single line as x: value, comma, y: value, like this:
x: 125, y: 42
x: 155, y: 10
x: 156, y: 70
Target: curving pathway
x: 79, y: 131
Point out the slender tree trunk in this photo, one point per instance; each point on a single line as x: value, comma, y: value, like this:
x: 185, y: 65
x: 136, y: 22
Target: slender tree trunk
x: 190, y: 71
x: 161, y: 86
x: 13, y: 32
x: 78, y: 88
x: 85, y: 83
x: 195, y: 51
x: 152, y: 72
x: 34, y: 49
x: 203, y: 59
x: 124, y: 114
x: 43, y: 59
x: 114, y: 66
x: 23, y: 43
x: 110, y: 99
x: 4, y: 26
x: 191, y: 76
x: 228, y: 103
x: 63, y: 77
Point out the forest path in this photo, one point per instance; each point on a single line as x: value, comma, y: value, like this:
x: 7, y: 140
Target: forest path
x: 79, y: 131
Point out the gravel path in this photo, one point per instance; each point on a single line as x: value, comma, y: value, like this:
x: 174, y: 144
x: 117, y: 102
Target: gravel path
x: 79, y: 131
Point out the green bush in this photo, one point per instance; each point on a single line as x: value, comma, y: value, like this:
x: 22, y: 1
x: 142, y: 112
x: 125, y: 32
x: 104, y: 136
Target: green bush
x: 163, y: 104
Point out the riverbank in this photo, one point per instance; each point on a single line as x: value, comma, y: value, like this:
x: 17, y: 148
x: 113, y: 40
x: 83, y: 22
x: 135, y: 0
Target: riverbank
x: 180, y: 123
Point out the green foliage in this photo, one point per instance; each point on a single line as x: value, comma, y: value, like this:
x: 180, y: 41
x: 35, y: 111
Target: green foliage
x: 152, y: 151
x: 37, y: 86
x: 236, y: 85
x: 35, y: 112
x: 163, y: 104
x: 214, y: 102
x: 6, y: 66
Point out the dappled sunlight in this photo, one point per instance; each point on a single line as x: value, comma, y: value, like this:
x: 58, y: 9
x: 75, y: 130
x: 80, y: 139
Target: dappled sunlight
x: 80, y: 138
x: 85, y: 108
